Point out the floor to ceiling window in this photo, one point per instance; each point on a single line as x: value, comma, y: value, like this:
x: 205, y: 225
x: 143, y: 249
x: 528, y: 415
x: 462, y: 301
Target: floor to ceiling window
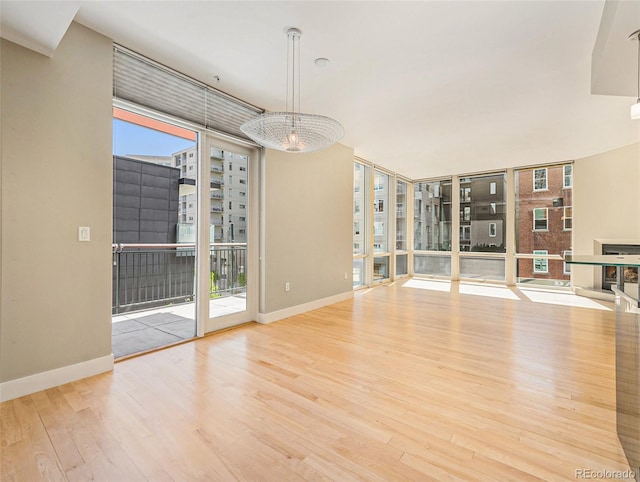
x: 401, y: 248
x: 544, y: 223
x: 381, y: 229
x: 432, y: 225
x: 361, y: 221
x: 482, y: 233
x: 464, y: 227
x: 381, y: 221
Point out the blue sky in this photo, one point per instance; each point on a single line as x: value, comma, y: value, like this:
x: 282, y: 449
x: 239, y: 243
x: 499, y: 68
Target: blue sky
x: 133, y: 139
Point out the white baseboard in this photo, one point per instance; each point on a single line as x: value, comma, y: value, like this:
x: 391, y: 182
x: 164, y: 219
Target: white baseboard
x: 266, y: 318
x: 52, y: 378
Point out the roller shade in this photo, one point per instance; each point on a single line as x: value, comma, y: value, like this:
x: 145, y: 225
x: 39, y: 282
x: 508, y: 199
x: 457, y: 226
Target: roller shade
x: 149, y: 84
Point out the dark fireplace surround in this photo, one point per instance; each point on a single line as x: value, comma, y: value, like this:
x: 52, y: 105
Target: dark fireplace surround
x: 609, y: 272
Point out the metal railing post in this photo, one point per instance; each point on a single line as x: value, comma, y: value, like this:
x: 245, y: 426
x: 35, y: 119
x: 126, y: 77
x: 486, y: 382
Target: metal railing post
x: 117, y: 262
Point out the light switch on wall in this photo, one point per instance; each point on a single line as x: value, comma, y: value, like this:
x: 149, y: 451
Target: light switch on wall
x: 84, y: 233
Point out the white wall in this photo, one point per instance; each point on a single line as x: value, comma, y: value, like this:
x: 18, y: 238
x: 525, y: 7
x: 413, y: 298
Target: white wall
x: 606, y: 199
x: 56, y: 176
x: 308, y: 223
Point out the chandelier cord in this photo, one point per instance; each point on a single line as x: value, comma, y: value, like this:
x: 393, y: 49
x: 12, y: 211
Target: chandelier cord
x: 286, y: 94
x: 299, y: 107
x: 293, y: 73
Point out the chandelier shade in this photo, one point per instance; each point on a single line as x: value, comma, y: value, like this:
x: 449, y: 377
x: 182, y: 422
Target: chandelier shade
x: 293, y: 131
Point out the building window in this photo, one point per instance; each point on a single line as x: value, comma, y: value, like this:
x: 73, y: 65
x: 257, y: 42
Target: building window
x: 242, y: 231
x: 243, y: 181
x: 540, y: 219
x: 492, y: 206
x: 540, y: 179
x: 242, y: 193
x: 567, y: 219
x: 566, y: 268
x: 465, y: 233
x: 230, y: 205
x: 242, y: 219
x: 356, y: 228
x: 540, y: 265
x: 230, y: 218
x: 242, y: 168
x: 191, y: 168
x: 191, y: 154
x: 230, y: 167
x: 379, y: 205
x: 378, y: 228
x: 493, y: 228
x: 567, y: 180
x: 242, y: 206
x: 356, y: 206
x: 492, y: 188
x: 466, y: 213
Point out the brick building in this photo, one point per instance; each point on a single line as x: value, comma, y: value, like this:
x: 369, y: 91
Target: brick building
x: 544, y: 220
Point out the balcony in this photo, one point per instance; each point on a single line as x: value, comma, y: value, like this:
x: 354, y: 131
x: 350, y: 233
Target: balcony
x: 153, y: 298
x: 154, y: 275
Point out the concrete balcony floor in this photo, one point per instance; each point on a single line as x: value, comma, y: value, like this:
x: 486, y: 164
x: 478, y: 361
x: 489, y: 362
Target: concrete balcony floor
x: 140, y: 331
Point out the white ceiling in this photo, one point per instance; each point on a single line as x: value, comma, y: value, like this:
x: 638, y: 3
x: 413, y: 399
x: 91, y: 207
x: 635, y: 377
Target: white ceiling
x: 423, y: 88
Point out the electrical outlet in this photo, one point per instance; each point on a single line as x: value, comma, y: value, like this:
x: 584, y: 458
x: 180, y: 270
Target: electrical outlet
x: 287, y: 286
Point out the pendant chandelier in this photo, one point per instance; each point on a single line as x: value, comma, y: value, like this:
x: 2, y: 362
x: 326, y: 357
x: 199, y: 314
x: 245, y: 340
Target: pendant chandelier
x: 293, y: 131
x: 635, y: 108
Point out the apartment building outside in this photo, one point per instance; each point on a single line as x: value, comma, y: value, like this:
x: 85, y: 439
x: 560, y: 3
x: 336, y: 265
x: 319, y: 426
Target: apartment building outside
x: 228, y: 194
x: 544, y: 217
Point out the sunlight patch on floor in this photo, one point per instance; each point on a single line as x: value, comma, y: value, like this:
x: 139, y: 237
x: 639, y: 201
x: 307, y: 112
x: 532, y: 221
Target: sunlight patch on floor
x: 562, y: 298
x: 490, y: 291
x: 424, y: 284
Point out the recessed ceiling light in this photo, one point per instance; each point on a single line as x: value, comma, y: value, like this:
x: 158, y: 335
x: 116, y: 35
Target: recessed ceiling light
x: 322, y: 62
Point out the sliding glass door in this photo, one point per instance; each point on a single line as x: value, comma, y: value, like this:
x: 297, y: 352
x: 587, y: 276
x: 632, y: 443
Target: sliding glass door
x: 155, y: 205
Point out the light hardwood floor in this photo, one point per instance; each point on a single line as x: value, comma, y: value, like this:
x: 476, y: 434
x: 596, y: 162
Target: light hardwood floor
x: 398, y: 384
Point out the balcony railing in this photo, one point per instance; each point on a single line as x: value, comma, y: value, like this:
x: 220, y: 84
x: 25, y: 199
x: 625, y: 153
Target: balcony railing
x: 153, y: 275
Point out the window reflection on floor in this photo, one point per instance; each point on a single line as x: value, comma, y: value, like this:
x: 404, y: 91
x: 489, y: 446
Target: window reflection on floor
x: 553, y: 297
x: 562, y: 298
